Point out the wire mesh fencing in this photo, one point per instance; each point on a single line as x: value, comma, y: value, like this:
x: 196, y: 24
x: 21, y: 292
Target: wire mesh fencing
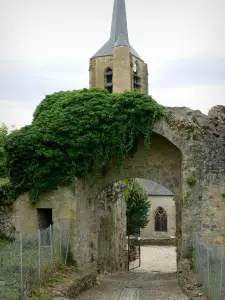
x: 210, y: 266
x: 29, y: 259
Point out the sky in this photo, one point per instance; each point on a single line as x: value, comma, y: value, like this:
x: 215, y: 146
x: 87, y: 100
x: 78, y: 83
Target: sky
x: 45, y: 47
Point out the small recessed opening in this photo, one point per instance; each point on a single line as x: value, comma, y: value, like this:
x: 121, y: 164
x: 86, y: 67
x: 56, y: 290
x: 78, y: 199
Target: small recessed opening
x: 44, y: 217
x: 109, y: 80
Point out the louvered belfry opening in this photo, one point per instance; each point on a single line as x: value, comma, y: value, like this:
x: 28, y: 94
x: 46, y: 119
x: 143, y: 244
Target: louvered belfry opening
x: 109, y: 80
x: 137, y: 81
x: 160, y: 220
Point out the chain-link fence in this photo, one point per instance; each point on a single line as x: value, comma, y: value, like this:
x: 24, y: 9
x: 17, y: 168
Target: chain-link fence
x: 210, y: 265
x: 29, y: 259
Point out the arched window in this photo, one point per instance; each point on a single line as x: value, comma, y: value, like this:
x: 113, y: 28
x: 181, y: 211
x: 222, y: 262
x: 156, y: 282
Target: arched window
x: 136, y: 77
x: 160, y: 220
x: 109, y: 79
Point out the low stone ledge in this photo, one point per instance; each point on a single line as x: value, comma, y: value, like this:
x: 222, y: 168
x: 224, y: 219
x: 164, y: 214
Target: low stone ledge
x: 158, y: 242
x: 82, y: 281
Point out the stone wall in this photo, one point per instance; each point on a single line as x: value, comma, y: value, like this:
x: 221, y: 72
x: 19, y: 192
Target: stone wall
x: 6, y: 227
x: 112, y: 254
x: 187, y: 156
x: 61, y: 201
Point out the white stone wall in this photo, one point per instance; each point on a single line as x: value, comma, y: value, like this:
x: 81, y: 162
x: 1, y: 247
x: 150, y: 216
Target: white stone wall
x: 168, y: 204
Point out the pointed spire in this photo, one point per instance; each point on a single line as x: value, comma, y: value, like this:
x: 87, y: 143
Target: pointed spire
x: 119, y: 31
x: 119, y: 22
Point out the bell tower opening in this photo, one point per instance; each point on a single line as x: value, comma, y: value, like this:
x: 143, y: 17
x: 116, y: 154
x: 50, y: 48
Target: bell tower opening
x: 136, y: 77
x: 109, y: 80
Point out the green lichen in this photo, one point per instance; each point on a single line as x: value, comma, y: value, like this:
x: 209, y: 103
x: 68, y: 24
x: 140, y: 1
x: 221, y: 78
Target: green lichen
x: 191, y: 180
x: 186, y: 199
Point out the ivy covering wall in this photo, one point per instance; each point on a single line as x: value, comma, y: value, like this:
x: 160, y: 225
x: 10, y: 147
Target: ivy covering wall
x: 75, y: 132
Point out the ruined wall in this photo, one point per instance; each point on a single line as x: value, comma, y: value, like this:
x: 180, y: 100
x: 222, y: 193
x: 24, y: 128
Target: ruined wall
x: 61, y: 201
x: 142, y: 72
x: 112, y: 254
x: 201, y: 139
x: 6, y: 227
x: 187, y: 156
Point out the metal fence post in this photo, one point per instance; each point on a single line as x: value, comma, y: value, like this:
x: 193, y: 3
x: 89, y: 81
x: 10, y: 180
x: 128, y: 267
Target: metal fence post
x: 67, y: 248
x: 60, y: 240
x: 21, y: 265
x: 39, y: 255
x: 221, y: 270
x: 51, y: 246
x: 208, y: 263
x: 208, y: 269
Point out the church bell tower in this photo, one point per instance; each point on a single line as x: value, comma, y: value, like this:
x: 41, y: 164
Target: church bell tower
x: 116, y: 66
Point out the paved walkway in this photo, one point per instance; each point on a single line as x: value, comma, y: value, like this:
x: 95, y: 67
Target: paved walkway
x: 155, y: 280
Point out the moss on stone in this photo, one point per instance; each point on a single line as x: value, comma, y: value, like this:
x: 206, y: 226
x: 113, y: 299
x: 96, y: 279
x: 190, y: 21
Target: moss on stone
x: 191, y: 180
x: 186, y: 199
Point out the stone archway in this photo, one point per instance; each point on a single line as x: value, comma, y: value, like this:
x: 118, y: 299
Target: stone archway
x: 163, y: 165
x: 187, y: 157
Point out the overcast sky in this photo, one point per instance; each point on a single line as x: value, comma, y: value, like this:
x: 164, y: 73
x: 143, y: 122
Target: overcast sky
x: 45, y: 46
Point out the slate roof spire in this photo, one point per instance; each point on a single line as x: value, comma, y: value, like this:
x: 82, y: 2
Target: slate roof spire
x: 119, y: 32
x: 119, y: 22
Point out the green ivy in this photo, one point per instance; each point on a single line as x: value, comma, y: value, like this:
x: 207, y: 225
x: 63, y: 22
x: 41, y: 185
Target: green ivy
x: 74, y: 133
x: 191, y: 181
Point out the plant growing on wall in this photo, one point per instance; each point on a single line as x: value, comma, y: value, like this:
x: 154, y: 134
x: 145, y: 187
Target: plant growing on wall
x: 76, y: 132
x: 138, y: 206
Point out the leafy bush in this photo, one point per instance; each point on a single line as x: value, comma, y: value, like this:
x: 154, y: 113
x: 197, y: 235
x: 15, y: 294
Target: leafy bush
x: 6, y: 190
x: 75, y: 132
x: 3, y: 135
x: 138, y: 207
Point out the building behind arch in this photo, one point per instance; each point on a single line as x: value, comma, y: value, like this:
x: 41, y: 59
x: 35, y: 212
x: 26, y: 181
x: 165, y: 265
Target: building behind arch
x: 162, y: 214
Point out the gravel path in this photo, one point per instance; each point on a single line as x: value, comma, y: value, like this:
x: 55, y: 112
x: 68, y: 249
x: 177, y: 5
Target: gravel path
x: 155, y: 280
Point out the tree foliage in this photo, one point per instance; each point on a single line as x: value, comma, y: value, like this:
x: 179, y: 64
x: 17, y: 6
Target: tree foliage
x: 138, y: 207
x: 75, y: 132
x: 3, y: 135
x: 6, y: 189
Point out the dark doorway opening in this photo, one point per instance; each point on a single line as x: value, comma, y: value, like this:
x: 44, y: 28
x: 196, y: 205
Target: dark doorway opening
x: 45, y: 223
x: 44, y: 218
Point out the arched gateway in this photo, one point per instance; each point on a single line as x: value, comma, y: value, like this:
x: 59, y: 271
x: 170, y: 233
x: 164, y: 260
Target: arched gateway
x: 187, y: 156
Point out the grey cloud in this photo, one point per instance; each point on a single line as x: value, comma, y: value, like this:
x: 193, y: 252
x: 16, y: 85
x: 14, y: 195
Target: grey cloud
x: 31, y: 81
x: 193, y: 71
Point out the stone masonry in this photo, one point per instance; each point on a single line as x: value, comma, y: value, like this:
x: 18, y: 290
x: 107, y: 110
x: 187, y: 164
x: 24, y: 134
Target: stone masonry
x: 187, y: 156
x: 112, y: 254
x: 6, y: 227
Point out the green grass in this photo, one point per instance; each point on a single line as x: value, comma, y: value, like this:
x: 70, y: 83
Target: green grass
x: 10, y: 275
x: 8, y: 288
